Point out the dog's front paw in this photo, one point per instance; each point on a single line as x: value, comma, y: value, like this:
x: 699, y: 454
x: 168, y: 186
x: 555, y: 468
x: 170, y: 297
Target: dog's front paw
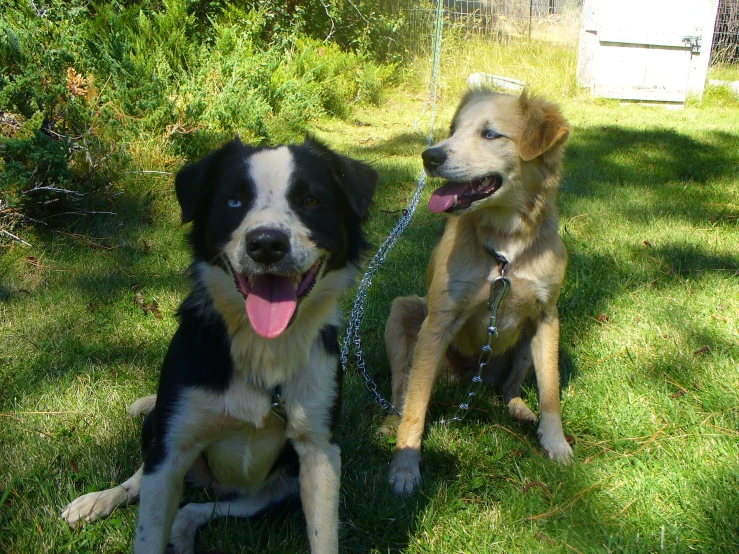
x: 552, y: 439
x: 86, y: 508
x: 180, y: 547
x: 181, y: 542
x: 184, y: 527
x: 405, y: 472
x: 560, y: 451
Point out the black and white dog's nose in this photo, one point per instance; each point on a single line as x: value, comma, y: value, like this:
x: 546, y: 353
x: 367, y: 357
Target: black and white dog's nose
x: 267, y: 246
x: 433, y: 158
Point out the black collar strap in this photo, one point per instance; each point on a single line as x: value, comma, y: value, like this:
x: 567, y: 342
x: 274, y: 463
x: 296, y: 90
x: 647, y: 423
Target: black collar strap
x: 503, y: 262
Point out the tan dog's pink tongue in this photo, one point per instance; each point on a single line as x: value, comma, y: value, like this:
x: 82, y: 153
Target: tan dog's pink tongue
x: 443, y: 198
x: 271, y: 304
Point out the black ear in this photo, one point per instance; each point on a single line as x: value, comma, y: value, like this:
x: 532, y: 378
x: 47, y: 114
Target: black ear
x: 193, y: 181
x: 190, y: 184
x: 359, y: 182
x: 357, y: 179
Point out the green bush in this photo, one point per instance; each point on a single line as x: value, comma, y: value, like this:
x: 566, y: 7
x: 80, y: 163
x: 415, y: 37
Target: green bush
x: 51, y: 153
x: 86, y: 88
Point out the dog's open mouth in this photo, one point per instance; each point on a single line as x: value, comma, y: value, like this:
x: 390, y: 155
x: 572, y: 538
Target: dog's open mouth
x: 456, y: 196
x: 271, y: 300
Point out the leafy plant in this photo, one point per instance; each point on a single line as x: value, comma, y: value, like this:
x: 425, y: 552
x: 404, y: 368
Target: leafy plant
x: 89, y: 91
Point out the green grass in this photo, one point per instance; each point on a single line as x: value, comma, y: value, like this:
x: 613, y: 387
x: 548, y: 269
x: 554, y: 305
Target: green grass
x: 550, y: 68
x: 649, y: 211
x: 724, y: 72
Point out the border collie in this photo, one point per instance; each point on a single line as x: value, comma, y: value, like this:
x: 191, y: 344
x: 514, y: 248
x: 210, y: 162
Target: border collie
x: 249, y: 393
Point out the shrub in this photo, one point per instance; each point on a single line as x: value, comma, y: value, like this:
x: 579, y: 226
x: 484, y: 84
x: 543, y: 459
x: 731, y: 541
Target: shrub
x: 50, y: 153
x: 81, y: 83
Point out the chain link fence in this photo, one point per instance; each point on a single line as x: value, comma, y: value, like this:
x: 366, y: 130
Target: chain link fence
x: 497, y: 20
x: 725, y: 48
x: 554, y: 21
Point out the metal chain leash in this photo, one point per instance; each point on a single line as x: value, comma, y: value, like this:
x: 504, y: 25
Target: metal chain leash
x: 498, y: 289
x: 353, y: 336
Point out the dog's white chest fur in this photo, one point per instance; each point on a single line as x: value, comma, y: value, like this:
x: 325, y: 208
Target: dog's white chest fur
x: 244, y: 402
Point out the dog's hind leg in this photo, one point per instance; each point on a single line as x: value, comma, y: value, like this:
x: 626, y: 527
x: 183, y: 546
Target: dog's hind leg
x: 98, y: 505
x: 522, y: 365
x: 193, y: 516
x: 401, y: 333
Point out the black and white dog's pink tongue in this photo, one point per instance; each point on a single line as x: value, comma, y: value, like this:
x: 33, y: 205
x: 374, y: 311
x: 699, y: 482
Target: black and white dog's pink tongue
x: 443, y: 198
x: 271, y: 304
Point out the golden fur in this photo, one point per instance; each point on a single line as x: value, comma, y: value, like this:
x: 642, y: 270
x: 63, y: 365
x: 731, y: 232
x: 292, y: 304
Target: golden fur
x: 519, y: 220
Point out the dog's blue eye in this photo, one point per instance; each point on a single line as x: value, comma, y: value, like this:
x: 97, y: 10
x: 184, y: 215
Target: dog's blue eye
x: 234, y: 203
x: 490, y: 134
x: 309, y: 201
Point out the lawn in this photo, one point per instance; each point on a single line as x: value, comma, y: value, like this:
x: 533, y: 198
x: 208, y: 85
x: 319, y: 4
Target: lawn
x: 649, y: 212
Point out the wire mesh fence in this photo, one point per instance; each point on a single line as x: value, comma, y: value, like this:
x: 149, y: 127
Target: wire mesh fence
x: 548, y: 20
x: 499, y: 20
x: 725, y: 48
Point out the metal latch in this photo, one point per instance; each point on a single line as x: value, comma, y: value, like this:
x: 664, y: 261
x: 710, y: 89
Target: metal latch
x: 694, y: 42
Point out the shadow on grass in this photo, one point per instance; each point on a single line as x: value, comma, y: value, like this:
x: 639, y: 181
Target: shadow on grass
x: 675, y: 172
x: 5, y: 293
x: 403, y: 144
x: 82, y: 312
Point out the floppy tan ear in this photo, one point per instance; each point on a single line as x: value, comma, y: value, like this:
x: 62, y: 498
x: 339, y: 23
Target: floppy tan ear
x: 544, y: 126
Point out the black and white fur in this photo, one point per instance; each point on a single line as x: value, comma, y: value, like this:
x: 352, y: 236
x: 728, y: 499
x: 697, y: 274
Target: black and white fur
x: 211, y: 421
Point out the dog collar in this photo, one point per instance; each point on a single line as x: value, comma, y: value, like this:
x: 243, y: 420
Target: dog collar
x: 503, y: 263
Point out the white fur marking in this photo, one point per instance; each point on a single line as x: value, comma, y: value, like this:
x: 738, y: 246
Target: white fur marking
x: 98, y: 505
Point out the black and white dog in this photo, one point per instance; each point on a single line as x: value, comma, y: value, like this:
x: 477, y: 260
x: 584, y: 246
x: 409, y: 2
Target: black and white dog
x: 249, y: 393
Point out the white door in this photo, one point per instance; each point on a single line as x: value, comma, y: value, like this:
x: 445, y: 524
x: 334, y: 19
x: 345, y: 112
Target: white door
x: 653, y: 50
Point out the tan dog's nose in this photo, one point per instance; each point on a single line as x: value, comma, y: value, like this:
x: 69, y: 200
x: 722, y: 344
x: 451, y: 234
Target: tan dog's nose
x: 433, y: 158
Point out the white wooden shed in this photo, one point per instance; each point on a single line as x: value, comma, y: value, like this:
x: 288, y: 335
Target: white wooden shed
x: 646, y: 50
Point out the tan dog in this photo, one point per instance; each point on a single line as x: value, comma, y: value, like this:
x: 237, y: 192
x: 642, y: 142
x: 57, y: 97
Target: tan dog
x: 502, y: 162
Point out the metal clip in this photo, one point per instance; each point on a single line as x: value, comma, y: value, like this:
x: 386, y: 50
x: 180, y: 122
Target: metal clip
x: 495, y: 299
x: 278, y: 404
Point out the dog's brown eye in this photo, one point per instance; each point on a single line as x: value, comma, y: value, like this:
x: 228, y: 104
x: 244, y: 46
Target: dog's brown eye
x: 309, y: 201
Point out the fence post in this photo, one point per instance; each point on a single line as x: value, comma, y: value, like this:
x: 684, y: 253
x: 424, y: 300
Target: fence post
x: 531, y: 12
